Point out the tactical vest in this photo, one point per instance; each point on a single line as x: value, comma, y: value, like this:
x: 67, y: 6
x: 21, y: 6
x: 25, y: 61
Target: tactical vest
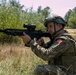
x: 68, y: 59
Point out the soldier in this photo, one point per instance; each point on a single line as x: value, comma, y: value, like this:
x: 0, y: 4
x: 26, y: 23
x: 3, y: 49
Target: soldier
x: 60, y: 51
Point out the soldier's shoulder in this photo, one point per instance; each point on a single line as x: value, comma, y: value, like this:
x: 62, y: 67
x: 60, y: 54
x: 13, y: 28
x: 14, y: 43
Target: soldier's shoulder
x: 65, y: 36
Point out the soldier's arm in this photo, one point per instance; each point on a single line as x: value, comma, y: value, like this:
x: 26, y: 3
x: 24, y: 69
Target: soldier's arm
x: 55, y: 50
x: 46, y: 45
x: 42, y: 43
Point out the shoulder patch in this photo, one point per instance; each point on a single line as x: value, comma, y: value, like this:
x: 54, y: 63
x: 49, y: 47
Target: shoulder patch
x: 59, y: 41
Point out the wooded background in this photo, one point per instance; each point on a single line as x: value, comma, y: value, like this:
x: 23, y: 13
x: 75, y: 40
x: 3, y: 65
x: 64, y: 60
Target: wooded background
x: 14, y: 15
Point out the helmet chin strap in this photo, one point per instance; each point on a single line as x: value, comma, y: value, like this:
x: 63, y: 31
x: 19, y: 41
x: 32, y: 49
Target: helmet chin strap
x: 53, y: 35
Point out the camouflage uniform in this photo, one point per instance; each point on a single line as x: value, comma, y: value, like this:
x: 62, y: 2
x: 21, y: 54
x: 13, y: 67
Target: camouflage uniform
x: 61, y: 56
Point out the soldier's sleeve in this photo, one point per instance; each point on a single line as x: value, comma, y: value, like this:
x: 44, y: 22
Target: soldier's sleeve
x: 46, y: 45
x: 55, y: 50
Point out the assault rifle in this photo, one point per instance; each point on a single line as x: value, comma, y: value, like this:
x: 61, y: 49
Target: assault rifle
x: 30, y: 30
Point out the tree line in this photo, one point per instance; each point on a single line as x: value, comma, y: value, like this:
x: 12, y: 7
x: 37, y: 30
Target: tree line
x: 13, y: 15
x: 70, y: 17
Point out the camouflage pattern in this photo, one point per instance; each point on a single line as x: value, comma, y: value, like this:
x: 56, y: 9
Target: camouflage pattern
x: 61, y: 56
x: 48, y: 70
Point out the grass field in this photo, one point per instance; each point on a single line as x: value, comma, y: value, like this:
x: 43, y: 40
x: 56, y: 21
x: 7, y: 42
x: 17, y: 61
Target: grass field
x: 72, y: 32
x: 16, y: 59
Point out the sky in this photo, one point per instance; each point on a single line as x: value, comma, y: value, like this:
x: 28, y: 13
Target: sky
x: 59, y: 7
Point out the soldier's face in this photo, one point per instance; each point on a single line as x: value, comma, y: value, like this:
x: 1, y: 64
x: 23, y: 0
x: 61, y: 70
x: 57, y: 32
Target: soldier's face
x: 51, y: 29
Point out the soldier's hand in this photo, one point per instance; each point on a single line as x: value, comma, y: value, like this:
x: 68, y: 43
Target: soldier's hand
x: 40, y: 41
x: 26, y: 38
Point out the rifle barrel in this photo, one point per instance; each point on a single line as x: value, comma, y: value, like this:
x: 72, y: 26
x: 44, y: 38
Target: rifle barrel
x: 1, y: 30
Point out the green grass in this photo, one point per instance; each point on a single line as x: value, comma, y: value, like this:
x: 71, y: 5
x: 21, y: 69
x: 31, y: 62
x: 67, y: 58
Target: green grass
x: 17, y: 60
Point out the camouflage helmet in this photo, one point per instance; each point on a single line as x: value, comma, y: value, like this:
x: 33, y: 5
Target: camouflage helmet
x: 57, y: 19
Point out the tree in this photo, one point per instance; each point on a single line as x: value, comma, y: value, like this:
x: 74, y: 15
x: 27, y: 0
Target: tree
x: 46, y: 11
x: 72, y: 20
x: 12, y: 16
x: 70, y: 17
x: 39, y: 10
x: 16, y: 3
